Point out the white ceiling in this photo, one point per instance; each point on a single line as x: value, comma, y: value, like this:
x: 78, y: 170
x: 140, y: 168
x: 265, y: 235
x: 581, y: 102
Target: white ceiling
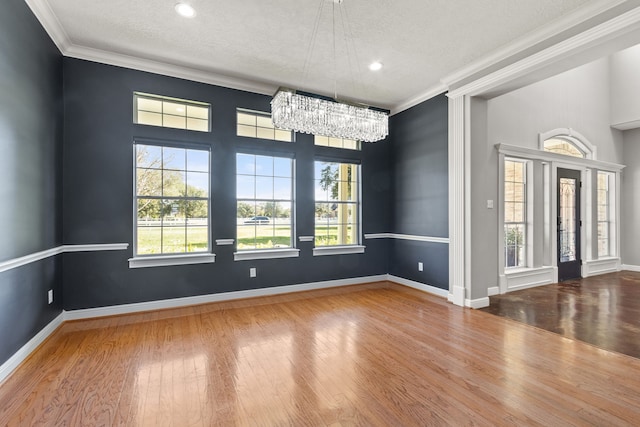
x: 262, y: 44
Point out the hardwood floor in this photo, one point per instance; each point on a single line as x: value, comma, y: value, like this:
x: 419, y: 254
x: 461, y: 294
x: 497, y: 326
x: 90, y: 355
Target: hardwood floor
x: 600, y: 310
x: 376, y: 355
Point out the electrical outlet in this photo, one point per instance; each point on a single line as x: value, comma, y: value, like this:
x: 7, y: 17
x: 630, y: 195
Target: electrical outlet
x: 50, y: 295
x: 489, y: 204
x: 420, y: 266
x: 252, y: 272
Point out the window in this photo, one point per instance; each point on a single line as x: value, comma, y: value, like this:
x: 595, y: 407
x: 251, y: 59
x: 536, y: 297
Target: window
x: 337, y: 216
x: 562, y: 146
x: 515, y: 208
x: 264, y: 190
x: 604, y: 213
x: 254, y: 124
x: 167, y: 112
x: 328, y: 141
x: 172, y: 200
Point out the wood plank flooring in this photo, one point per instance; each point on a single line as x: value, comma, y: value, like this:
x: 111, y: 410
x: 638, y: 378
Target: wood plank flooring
x: 601, y: 310
x: 375, y: 355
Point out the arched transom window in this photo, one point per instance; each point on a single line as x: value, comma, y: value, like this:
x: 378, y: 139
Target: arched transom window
x: 567, y: 142
x: 562, y: 146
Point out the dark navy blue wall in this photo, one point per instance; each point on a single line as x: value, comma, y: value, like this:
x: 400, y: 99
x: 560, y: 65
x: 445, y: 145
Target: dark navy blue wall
x: 98, y: 193
x: 30, y: 174
x: 419, y: 147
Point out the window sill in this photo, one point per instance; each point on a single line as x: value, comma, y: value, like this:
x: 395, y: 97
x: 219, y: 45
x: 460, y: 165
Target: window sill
x: 338, y: 250
x: 517, y: 271
x: 168, y: 260
x: 266, y: 254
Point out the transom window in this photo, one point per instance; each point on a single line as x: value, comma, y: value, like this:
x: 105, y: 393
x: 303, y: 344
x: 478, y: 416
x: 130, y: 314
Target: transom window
x: 329, y: 141
x: 515, y: 209
x: 255, y: 124
x: 264, y: 189
x: 156, y: 110
x: 172, y: 200
x: 337, y: 195
x: 563, y: 146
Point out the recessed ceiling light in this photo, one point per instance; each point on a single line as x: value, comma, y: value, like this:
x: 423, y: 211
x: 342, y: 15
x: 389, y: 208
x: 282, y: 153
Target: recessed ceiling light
x: 185, y: 10
x: 375, y: 66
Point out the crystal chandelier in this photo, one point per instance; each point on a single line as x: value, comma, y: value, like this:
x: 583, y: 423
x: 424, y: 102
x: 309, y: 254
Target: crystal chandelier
x: 310, y: 114
x: 306, y: 114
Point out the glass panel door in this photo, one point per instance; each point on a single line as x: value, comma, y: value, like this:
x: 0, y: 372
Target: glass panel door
x: 568, y: 224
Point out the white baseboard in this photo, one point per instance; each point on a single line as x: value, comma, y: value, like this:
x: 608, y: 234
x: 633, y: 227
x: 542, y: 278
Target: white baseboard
x: 19, y: 356
x: 477, y: 303
x: 493, y: 290
x: 629, y: 267
x: 444, y: 293
x: 204, y: 299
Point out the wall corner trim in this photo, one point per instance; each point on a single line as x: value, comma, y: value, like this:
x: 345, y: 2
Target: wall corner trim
x: 19, y: 356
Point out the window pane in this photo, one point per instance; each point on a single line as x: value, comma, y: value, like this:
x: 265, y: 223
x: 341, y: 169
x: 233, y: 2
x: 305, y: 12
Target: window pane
x: 265, y: 133
x: 148, y: 156
x: 264, y: 122
x: 197, y: 160
x: 197, y: 124
x: 282, y: 167
x: 149, y: 240
x: 245, y: 187
x: 248, y: 131
x: 282, y: 188
x: 264, y: 187
x: 198, y: 112
x: 152, y: 105
x: 246, y: 119
x: 264, y: 165
x: 197, y: 184
x: 173, y: 184
x: 174, y: 122
x: 148, y: 182
x: 175, y: 109
x: 147, y: 118
x: 174, y: 237
x: 283, y: 135
x: 174, y: 158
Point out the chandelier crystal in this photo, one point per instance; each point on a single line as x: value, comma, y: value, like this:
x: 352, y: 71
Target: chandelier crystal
x: 306, y: 114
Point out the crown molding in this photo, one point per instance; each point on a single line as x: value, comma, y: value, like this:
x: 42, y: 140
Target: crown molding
x: 50, y: 23
x: 522, y: 43
x: 626, y: 22
x: 163, y: 68
x: 428, y: 94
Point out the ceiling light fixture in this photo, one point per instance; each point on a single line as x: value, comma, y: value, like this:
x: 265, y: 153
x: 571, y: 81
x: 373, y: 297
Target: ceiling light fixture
x: 313, y: 114
x: 375, y: 66
x: 185, y: 10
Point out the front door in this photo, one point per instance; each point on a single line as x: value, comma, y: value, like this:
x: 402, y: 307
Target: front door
x: 568, y: 224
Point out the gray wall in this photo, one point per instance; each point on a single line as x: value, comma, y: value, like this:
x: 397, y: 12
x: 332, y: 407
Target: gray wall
x: 630, y: 202
x: 98, y: 193
x: 30, y: 150
x: 419, y: 150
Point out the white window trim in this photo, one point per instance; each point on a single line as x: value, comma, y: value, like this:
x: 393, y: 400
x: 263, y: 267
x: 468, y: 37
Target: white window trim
x: 168, y: 260
x: 338, y: 250
x: 266, y: 254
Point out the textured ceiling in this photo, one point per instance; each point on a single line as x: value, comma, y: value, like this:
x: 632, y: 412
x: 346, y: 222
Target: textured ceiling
x: 269, y: 41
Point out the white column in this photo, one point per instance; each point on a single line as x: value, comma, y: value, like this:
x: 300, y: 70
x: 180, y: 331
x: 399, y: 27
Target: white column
x: 457, y: 264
